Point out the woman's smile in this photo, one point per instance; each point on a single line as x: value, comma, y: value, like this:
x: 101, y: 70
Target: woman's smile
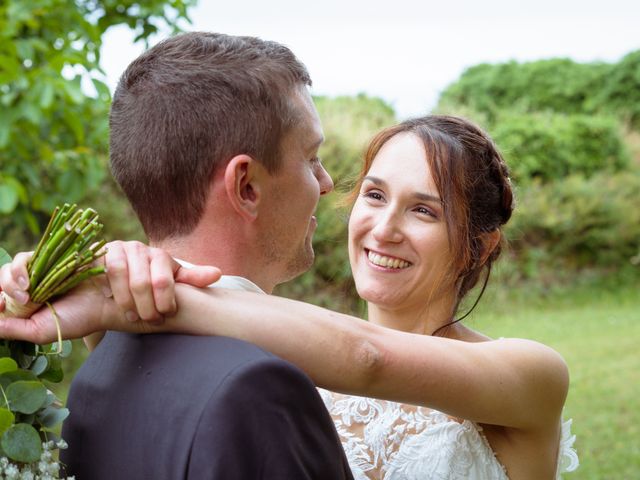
x: 386, y: 262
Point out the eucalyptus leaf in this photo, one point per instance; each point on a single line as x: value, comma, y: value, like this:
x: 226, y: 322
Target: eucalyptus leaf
x: 54, y: 373
x: 7, y: 364
x: 8, y: 378
x: 67, y: 346
x: 22, y: 443
x: 6, y: 420
x: 51, y: 398
x: 26, y: 396
x: 40, y: 364
x: 52, y: 416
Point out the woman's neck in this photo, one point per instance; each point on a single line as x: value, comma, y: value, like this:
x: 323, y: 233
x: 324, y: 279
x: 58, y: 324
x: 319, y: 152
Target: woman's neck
x: 423, y: 319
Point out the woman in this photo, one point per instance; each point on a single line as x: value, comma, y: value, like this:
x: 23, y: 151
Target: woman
x: 425, y: 226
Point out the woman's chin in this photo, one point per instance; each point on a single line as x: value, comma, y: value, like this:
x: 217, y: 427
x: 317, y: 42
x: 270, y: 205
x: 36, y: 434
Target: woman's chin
x: 380, y: 297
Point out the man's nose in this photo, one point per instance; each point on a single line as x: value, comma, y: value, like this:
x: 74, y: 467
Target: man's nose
x: 325, y: 181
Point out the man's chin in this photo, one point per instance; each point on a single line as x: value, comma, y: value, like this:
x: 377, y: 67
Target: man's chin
x: 301, y: 264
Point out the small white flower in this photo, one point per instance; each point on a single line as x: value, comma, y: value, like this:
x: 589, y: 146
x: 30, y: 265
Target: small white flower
x: 12, y: 472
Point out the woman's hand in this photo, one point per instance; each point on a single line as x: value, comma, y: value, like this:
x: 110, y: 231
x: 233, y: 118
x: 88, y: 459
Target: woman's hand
x: 142, y: 280
x: 140, y: 284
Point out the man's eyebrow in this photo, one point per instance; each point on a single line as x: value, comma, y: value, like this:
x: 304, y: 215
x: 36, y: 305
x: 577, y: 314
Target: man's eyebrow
x: 316, y: 145
x: 426, y: 197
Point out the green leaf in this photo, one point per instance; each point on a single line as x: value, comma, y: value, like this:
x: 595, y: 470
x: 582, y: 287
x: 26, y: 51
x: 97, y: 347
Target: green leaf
x: 8, y: 378
x: 54, y: 373
x: 22, y: 443
x: 40, y: 364
x: 46, y: 96
x: 4, y: 257
x: 26, y: 396
x: 52, y: 416
x: 7, y: 364
x: 102, y: 89
x: 8, y: 198
x: 6, y: 420
x: 67, y: 346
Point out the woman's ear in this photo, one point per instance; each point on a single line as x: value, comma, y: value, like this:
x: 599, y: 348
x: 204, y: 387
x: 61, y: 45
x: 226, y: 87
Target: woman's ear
x: 490, y: 241
x: 241, y: 182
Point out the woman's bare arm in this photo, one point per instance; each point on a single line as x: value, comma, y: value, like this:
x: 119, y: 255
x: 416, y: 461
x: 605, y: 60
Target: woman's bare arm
x: 510, y: 382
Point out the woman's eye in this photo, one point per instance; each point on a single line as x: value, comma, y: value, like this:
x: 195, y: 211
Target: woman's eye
x: 424, y: 211
x: 373, y: 195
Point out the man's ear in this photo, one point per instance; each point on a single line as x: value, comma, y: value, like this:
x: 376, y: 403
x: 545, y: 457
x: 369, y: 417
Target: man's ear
x: 490, y: 241
x: 242, y: 185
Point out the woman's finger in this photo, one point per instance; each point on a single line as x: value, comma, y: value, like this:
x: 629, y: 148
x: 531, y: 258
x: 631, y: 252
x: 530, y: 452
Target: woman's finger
x: 162, y: 267
x: 14, y: 279
x: 139, y: 266
x: 118, y: 274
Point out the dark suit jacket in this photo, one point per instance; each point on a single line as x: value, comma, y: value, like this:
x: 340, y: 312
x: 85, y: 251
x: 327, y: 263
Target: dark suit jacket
x: 183, y: 407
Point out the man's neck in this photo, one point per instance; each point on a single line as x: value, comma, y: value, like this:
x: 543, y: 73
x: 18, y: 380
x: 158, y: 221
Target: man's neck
x: 225, y: 253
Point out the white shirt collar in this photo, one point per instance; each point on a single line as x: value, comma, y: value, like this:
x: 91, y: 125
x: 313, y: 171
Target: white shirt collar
x: 232, y: 282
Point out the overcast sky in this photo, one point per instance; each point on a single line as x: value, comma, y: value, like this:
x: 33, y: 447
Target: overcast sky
x: 408, y: 51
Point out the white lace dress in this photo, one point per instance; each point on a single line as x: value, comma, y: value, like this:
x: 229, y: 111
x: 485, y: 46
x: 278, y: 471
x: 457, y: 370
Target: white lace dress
x: 390, y: 441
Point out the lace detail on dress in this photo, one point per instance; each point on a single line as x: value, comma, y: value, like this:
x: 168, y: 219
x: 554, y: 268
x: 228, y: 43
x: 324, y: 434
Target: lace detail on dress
x: 567, y: 455
x: 392, y: 441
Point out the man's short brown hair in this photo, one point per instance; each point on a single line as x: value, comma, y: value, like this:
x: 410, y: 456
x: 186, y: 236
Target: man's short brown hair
x: 186, y: 107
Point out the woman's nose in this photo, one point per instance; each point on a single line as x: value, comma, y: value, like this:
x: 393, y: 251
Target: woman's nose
x: 388, y: 228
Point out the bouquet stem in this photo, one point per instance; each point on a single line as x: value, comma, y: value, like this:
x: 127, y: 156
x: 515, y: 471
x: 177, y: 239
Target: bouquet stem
x: 64, y: 257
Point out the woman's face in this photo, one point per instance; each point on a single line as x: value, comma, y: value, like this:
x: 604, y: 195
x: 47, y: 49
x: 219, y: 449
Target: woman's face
x: 398, y: 240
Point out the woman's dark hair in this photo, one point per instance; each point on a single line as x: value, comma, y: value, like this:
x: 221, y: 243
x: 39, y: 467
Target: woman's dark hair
x: 473, y: 182
x: 186, y: 107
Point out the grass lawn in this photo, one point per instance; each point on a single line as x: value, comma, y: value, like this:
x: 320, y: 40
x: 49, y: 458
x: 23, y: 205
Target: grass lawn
x: 598, y: 333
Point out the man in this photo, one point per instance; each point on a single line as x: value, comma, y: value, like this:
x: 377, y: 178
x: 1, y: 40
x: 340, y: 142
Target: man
x: 214, y: 141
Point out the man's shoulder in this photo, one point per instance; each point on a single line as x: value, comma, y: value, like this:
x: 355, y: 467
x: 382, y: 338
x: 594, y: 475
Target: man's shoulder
x: 122, y: 358
x: 123, y: 351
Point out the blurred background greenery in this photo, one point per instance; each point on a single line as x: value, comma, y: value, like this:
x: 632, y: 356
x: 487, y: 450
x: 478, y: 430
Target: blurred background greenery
x: 569, y: 131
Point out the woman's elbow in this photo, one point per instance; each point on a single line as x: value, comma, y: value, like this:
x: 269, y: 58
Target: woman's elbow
x: 369, y: 360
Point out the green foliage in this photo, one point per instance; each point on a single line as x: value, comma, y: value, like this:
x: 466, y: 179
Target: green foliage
x: 621, y: 91
x: 53, y: 134
x: 548, y: 146
x: 28, y: 411
x: 21, y: 442
x: 557, y: 85
x: 564, y: 227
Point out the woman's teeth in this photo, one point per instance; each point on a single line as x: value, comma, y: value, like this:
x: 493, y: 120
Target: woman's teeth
x: 387, y: 262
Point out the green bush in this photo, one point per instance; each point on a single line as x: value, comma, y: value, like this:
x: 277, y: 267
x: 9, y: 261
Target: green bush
x: 548, y: 146
x: 558, y: 84
x: 621, y: 91
x: 576, y: 224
